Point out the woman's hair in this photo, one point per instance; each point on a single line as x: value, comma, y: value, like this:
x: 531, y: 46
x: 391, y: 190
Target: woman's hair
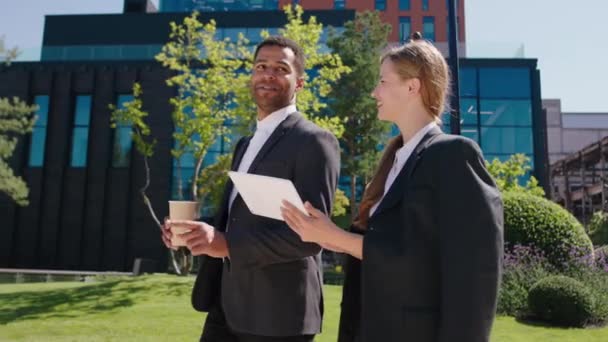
x: 420, y: 59
x: 416, y: 59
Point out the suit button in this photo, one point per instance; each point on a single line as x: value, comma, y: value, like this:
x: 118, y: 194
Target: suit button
x: 371, y: 228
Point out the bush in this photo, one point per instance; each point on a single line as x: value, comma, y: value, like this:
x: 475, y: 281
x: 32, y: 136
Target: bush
x: 561, y: 300
x: 535, y: 221
x: 523, y: 266
x: 598, y: 228
x: 601, y: 257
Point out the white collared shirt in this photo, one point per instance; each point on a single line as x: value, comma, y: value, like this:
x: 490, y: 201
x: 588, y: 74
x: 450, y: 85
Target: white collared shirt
x: 401, y: 157
x: 264, y: 129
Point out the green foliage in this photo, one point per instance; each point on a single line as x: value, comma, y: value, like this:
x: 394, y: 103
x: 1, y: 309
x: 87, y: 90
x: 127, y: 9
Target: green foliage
x: 531, y: 220
x: 132, y: 113
x: 522, y: 267
x: 601, y: 255
x: 212, y: 181
x: 8, y: 54
x: 598, y: 228
x: 205, y: 75
x: 561, y: 300
x: 507, y: 174
x: 340, y: 203
x: 360, y: 47
x: 16, y: 119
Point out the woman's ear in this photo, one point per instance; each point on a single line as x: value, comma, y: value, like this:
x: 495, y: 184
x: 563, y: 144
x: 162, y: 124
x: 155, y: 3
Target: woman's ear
x: 413, y: 85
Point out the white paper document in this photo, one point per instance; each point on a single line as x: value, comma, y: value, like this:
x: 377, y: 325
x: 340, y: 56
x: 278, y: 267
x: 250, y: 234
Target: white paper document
x: 263, y: 195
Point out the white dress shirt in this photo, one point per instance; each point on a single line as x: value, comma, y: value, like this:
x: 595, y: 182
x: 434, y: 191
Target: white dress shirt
x: 264, y: 129
x: 401, y: 157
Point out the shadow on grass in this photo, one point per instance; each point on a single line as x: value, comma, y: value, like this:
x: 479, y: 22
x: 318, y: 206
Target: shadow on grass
x: 75, y: 302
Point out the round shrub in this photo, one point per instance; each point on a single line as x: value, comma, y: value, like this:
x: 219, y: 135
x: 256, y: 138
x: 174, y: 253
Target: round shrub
x: 598, y: 228
x: 535, y: 221
x: 561, y: 300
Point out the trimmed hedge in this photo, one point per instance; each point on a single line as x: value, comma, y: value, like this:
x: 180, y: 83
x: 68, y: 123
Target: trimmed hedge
x: 561, y: 300
x: 535, y: 221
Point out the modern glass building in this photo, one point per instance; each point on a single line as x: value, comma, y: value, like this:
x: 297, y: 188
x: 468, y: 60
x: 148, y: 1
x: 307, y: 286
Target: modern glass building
x: 501, y: 110
x: 217, y: 5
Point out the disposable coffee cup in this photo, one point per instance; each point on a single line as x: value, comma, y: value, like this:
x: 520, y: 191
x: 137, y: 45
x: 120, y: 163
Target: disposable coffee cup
x: 181, y: 210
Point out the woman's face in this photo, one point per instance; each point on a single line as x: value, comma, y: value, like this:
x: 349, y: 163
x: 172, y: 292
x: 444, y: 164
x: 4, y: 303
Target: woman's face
x: 391, y: 93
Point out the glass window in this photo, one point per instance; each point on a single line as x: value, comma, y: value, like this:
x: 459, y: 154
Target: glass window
x: 467, y: 78
x: 256, y: 4
x: 425, y: 5
x: 80, y: 135
x: 504, y: 82
x: 121, y: 152
x: 339, y: 4
x: 135, y: 51
x: 506, y: 112
x: 380, y: 5
x: 405, y: 28
x: 233, y: 33
x: 253, y: 35
x: 75, y: 53
x: 52, y: 53
x: 469, y: 111
x: 404, y: 5
x: 428, y: 28
x: 446, y: 122
x: 210, y: 158
x: 506, y: 140
x: 470, y: 132
x: 38, y: 137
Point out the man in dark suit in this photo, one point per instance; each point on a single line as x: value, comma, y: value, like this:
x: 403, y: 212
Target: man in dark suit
x: 258, y: 280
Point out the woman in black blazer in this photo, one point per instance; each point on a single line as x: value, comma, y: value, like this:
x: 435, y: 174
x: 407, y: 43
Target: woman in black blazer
x: 432, y: 218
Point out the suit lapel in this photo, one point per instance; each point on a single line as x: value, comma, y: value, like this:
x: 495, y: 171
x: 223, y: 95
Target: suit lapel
x: 239, y: 151
x: 278, y: 133
x: 395, y: 192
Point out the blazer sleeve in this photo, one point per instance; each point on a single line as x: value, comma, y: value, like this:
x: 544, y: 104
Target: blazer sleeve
x: 350, y: 322
x: 315, y: 178
x: 471, y: 244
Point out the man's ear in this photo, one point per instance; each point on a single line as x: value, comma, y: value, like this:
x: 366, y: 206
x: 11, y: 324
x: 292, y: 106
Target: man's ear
x: 299, y: 83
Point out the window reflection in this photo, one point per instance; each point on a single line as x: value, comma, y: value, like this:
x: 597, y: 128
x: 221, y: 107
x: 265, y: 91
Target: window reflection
x: 80, y: 135
x: 123, y: 141
x: 38, y: 136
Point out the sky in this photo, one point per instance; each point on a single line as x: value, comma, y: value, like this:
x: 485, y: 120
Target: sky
x: 565, y: 36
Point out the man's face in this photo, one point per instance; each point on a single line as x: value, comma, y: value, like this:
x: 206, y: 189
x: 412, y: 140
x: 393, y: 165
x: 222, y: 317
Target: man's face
x: 274, y: 80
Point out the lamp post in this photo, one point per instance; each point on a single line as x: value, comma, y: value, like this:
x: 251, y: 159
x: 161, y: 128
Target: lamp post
x: 454, y: 67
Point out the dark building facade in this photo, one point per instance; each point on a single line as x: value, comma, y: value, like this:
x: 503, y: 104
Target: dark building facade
x: 85, y: 210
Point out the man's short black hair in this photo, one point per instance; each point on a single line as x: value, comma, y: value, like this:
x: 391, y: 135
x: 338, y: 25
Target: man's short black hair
x: 298, y: 53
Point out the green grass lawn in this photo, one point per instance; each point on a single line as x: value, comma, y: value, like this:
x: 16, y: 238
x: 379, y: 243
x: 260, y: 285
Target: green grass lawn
x: 157, y: 308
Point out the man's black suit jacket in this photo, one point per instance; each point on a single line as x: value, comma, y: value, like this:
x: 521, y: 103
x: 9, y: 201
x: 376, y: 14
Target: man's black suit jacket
x: 432, y: 251
x: 272, y: 283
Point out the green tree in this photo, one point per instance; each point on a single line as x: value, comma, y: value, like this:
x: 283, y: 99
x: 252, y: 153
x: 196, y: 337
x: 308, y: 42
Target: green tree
x: 359, y: 46
x: 508, y: 173
x: 204, y: 72
x: 16, y: 119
